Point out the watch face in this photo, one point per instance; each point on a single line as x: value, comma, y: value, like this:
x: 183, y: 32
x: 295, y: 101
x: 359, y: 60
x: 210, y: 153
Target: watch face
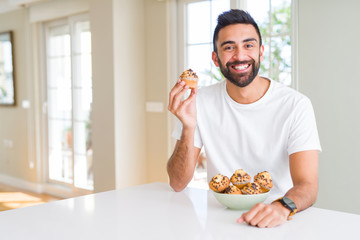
x: 290, y: 203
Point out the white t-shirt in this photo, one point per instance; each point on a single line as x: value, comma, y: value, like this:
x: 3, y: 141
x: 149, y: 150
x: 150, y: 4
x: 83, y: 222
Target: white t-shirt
x: 255, y: 137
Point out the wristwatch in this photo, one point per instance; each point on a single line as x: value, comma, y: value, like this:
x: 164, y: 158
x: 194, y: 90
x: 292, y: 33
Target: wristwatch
x: 289, y: 204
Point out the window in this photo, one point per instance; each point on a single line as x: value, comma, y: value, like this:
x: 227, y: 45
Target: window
x: 69, y: 98
x: 274, y: 20
x: 198, y: 19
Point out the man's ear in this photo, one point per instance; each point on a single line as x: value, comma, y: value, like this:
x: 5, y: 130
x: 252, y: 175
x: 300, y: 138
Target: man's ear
x: 215, y: 59
x: 262, y: 53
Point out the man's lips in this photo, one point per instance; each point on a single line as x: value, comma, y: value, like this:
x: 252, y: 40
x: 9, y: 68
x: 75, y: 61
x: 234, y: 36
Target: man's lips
x: 240, y: 67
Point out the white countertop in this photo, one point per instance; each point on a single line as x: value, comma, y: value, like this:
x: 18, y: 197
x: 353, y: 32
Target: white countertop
x: 155, y: 211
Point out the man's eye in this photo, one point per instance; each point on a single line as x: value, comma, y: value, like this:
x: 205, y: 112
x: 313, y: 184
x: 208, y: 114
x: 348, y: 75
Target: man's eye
x: 229, y: 48
x: 249, y: 45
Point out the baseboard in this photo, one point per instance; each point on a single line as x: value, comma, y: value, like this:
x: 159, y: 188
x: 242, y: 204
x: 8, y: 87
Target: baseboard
x: 20, y: 183
x: 48, y: 188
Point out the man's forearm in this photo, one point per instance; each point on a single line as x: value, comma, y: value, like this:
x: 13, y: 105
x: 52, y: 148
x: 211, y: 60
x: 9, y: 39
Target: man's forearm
x: 181, y: 164
x: 303, y: 195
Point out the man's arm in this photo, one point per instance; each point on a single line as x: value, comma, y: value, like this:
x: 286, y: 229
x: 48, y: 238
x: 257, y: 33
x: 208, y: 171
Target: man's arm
x: 304, y: 174
x: 182, y: 163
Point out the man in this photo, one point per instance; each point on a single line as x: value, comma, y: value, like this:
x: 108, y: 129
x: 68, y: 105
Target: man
x: 248, y: 122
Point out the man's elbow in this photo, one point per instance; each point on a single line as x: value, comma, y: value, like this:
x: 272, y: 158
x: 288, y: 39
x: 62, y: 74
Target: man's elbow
x: 178, y: 187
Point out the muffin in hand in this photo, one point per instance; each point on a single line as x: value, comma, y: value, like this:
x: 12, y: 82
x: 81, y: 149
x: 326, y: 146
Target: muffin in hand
x: 190, y: 78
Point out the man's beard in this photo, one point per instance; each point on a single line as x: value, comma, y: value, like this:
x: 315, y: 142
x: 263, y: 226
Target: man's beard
x: 241, y: 79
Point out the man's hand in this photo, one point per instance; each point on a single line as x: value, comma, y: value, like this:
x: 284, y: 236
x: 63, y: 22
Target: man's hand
x: 184, y: 110
x: 265, y: 215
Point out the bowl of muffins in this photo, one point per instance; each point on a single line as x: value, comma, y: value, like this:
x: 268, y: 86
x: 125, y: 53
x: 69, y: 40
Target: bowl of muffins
x: 239, y: 192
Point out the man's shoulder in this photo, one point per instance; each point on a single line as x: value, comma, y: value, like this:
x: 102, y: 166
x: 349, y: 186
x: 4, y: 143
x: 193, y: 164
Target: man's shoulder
x: 211, y: 90
x: 288, y: 93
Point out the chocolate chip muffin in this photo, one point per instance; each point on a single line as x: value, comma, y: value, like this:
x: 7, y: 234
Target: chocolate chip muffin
x: 264, y: 180
x: 251, y: 188
x: 190, y: 78
x: 232, y: 190
x: 219, y: 183
x: 240, y: 178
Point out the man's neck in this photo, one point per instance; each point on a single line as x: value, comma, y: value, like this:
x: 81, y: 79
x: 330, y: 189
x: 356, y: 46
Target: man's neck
x: 249, y: 94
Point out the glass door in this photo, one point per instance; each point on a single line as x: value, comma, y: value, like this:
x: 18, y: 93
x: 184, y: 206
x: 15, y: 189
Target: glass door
x: 69, y: 98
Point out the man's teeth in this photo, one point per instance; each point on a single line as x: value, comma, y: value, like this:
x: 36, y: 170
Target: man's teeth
x: 241, y: 67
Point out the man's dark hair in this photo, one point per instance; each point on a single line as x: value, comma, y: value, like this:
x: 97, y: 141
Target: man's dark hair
x: 232, y: 17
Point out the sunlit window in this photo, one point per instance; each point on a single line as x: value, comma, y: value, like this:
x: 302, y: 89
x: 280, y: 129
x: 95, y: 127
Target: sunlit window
x: 274, y: 20
x: 69, y: 98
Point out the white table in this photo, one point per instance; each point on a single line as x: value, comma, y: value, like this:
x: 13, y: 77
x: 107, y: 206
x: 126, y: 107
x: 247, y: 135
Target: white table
x: 155, y: 211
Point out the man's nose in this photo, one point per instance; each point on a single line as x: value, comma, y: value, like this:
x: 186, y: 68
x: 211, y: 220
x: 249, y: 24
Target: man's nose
x: 239, y: 55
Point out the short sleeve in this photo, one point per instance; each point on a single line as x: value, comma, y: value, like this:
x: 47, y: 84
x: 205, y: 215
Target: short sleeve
x: 303, y: 130
x: 178, y: 131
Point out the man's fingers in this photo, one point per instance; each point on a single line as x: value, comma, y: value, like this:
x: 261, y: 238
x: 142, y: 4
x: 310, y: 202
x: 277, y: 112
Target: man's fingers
x: 262, y: 215
x: 240, y: 220
x: 190, y: 98
x: 175, y: 90
x: 248, y: 216
x: 175, y: 99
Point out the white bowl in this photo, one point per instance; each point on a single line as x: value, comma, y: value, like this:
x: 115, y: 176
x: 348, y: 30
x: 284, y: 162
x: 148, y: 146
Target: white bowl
x: 240, y: 201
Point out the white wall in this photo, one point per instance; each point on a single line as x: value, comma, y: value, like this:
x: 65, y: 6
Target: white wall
x: 328, y: 62
x: 103, y: 114
x: 130, y: 92
x: 15, y: 161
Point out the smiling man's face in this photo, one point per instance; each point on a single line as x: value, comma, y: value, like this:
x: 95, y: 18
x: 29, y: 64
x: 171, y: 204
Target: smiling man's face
x: 239, y: 53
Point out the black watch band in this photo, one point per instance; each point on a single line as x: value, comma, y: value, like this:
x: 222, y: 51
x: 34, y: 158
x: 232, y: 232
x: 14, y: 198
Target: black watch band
x: 289, y: 204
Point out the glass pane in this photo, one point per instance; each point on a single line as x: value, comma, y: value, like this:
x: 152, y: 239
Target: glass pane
x: 59, y: 72
x: 281, y: 16
x: 59, y: 41
x: 59, y: 103
x: 259, y: 10
x: 83, y: 168
x: 82, y: 104
x: 83, y: 37
x: 217, y: 7
x: 60, y: 152
x: 83, y: 155
x: 281, y: 59
x: 198, y: 22
x: 265, y: 64
x: 199, y: 59
x: 83, y: 73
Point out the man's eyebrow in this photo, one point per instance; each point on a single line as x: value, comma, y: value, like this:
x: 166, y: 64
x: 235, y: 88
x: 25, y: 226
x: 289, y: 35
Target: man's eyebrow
x: 232, y: 42
x: 227, y: 42
x: 250, y: 40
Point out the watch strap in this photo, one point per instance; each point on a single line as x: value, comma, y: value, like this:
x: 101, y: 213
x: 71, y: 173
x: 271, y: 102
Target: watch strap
x: 289, y: 204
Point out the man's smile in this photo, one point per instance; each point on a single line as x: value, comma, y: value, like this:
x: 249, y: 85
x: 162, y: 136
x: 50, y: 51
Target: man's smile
x: 241, y: 67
